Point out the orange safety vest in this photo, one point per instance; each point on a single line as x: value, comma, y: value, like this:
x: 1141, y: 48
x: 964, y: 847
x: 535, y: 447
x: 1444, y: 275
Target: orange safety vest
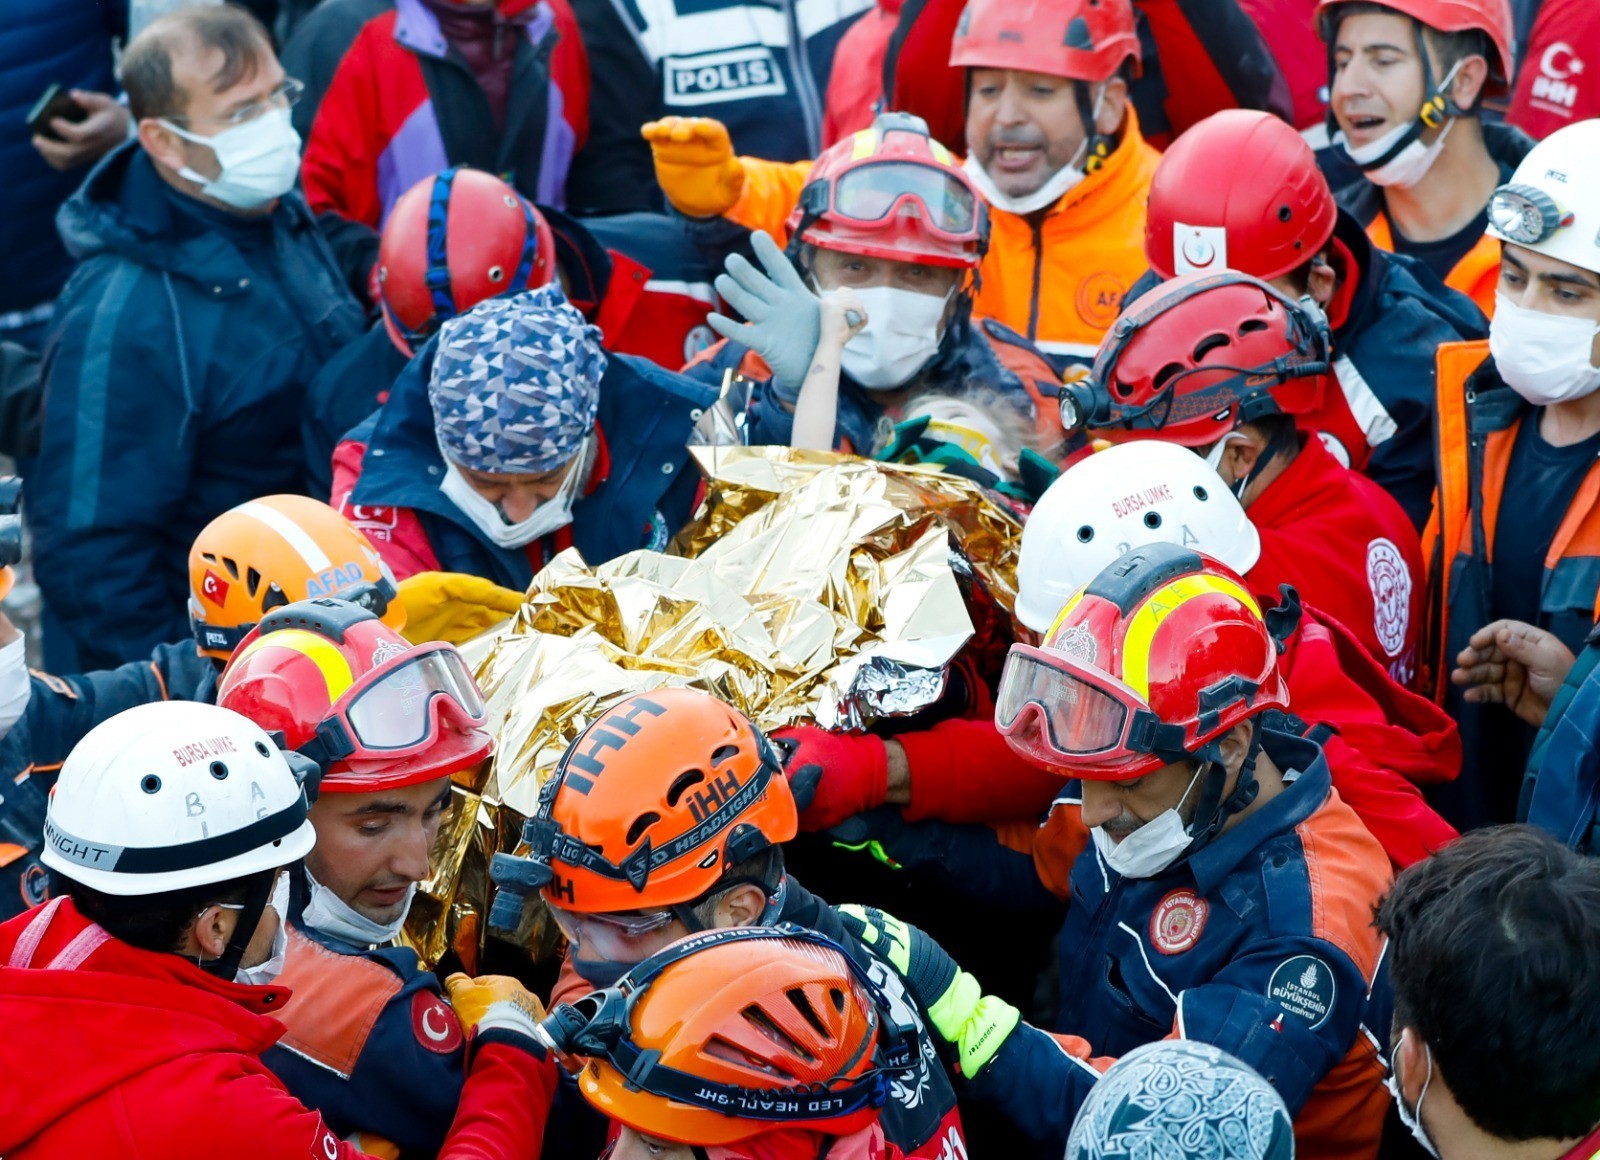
x: 1475, y: 275
x: 1057, y: 277
x: 1474, y: 454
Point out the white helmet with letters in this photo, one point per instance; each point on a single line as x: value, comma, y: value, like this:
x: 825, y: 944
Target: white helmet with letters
x: 1552, y: 203
x: 1124, y: 497
x: 175, y: 794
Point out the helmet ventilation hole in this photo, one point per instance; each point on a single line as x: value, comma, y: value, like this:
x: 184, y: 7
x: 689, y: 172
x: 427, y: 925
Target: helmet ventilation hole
x: 1212, y: 341
x: 1284, y: 214
x: 261, y: 748
x: 769, y: 1029
x: 151, y: 783
x: 219, y: 770
x: 497, y: 274
x: 1251, y: 325
x: 252, y: 582
x: 724, y: 753
x: 1201, y: 493
x: 836, y: 997
x: 640, y: 824
x: 1152, y: 519
x: 1085, y: 534
x: 802, y: 1004
x: 681, y: 784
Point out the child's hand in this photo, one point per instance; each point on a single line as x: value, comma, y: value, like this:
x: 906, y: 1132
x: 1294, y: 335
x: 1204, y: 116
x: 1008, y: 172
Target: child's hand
x: 843, y: 317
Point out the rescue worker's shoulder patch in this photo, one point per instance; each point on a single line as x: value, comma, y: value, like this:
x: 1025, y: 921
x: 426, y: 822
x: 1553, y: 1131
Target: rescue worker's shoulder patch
x: 434, y: 1023
x: 55, y: 684
x: 1177, y: 922
x: 1304, y: 987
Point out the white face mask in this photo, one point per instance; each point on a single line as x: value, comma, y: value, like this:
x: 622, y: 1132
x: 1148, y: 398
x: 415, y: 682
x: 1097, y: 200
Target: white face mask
x: 328, y: 914
x: 1154, y: 846
x: 1412, y: 1117
x: 900, y: 338
x: 1061, y: 183
x: 1220, y: 448
x: 266, y: 973
x: 1543, y: 357
x: 260, y: 160
x: 1411, y: 159
x: 16, y: 690
x: 554, y: 513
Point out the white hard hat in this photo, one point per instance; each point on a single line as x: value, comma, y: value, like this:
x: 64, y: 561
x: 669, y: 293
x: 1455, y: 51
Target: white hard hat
x: 1552, y: 203
x: 1124, y: 497
x: 171, y: 795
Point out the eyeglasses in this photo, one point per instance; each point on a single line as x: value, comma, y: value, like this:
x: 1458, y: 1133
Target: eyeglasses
x: 1526, y: 214
x: 611, y: 937
x: 286, y: 96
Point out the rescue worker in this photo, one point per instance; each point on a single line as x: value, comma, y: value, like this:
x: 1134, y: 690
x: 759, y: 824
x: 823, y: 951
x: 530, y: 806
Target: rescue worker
x: 1053, y: 145
x: 249, y: 560
x: 1406, y: 84
x: 1220, y: 889
x: 1486, y: 1062
x: 145, y: 993
x: 665, y: 818
x: 586, y: 451
x: 1528, y: 396
x: 371, y: 1043
x: 1178, y: 1097
x: 812, y: 1090
x: 890, y: 218
x: 1385, y: 741
x: 1269, y: 213
x: 1228, y: 366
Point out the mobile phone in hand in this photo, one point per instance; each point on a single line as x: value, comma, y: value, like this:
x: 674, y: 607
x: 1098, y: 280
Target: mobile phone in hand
x: 56, y: 102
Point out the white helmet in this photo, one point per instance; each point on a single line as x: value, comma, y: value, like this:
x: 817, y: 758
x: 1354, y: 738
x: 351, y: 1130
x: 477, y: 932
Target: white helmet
x: 1129, y: 495
x: 1552, y: 205
x: 171, y: 795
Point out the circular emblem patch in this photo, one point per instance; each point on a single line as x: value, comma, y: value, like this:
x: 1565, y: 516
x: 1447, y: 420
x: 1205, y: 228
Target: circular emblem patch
x: 1304, y: 986
x: 1178, y: 919
x: 435, y: 1025
x: 1099, y: 299
x: 1390, y: 581
x: 35, y: 885
x: 1078, y: 643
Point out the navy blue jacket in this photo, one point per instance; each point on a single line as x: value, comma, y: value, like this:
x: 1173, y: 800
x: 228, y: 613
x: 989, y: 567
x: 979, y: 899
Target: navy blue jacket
x: 60, y: 711
x: 646, y: 416
x: 372, y: 1043
x: 174, y: 376
x: 65, y: 42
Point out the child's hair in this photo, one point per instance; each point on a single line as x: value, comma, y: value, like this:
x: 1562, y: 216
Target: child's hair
x: 1006, y: 430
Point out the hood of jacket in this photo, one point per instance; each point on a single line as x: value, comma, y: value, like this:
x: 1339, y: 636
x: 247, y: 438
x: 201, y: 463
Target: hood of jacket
x: 123, y: 1013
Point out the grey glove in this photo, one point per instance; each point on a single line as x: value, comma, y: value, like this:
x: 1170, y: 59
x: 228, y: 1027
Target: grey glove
x: 785, y: 317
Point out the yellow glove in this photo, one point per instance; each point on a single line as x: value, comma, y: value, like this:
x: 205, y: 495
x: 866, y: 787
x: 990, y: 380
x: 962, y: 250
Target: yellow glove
x: 369, y: 1145
x: 695, y: 164
x: 452, y: 606
x: 472, y: 998
x: 7, y: 579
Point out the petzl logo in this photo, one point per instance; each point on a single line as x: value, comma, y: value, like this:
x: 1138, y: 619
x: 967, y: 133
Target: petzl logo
x: 710, y: 77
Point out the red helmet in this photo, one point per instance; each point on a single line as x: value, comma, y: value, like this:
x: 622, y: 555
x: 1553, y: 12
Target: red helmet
x: 451, y: 241
x: 1490, y: 17
x: 348, y: 691
x: 1266, y: 211
x: 1086, y: 40
x: 1162, y: 653
x: 1198, y: 356
x: 893, y: 192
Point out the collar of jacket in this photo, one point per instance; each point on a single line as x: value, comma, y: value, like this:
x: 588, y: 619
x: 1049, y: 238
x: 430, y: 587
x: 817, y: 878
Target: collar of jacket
x: 1494, y: 406
x: 418, y: 29
x: 1287, y: 496
x: 1301, y: 798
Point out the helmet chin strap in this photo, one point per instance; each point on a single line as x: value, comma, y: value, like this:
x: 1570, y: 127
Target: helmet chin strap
x: 1277, y: 445
x: 255, y: 904
x: 1212, y: 807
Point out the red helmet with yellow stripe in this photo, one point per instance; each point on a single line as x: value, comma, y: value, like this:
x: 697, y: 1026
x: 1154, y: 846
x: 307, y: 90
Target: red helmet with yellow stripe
x: 348, y: 691
x: 1161, y: 655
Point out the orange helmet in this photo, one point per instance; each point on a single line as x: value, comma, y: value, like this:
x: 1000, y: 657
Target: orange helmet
x: 736, y: 1033
x: 271, y: 552
x: 654, y: 801
x: 341, y: 687
x: 1163, y: 653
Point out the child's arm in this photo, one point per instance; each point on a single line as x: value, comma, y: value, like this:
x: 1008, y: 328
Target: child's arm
x: 816, y: 411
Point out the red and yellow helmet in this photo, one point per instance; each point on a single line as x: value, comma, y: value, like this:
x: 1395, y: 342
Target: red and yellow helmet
x: 893, y: 192
x: 654, y: 801
x: 1163, y: 653
x: 340, y: 686
x: 274, y: 551
x: 733, y: 1034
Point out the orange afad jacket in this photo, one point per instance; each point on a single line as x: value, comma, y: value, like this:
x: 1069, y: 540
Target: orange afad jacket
x: 1056, y: 277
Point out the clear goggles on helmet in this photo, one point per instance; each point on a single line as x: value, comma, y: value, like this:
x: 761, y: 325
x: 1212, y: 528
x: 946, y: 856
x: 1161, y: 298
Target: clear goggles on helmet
x: 394, y: 710
x: 871, y: 193
x: 615, y: 938
x: 1064, y: 714
x: 1526, y: 214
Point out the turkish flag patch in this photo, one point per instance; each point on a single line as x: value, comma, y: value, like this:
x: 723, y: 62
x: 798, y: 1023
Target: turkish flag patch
x: 214, y: 588
x: 435, y: 1023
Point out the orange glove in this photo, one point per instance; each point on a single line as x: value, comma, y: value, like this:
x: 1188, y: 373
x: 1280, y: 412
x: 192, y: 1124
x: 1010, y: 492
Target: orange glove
x: 369, y: 1145
x: 472, y: 998
x: 695, y: 164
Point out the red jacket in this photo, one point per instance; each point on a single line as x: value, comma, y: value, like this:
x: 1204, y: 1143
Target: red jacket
x: 118, y: 1052
x: 1556, y: 84
x: 855, y: 84
x: 1388, y: 741
x: 1349, y: 550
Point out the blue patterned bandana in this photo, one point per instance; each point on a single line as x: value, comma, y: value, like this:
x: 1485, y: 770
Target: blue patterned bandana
x: 516, y: 383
